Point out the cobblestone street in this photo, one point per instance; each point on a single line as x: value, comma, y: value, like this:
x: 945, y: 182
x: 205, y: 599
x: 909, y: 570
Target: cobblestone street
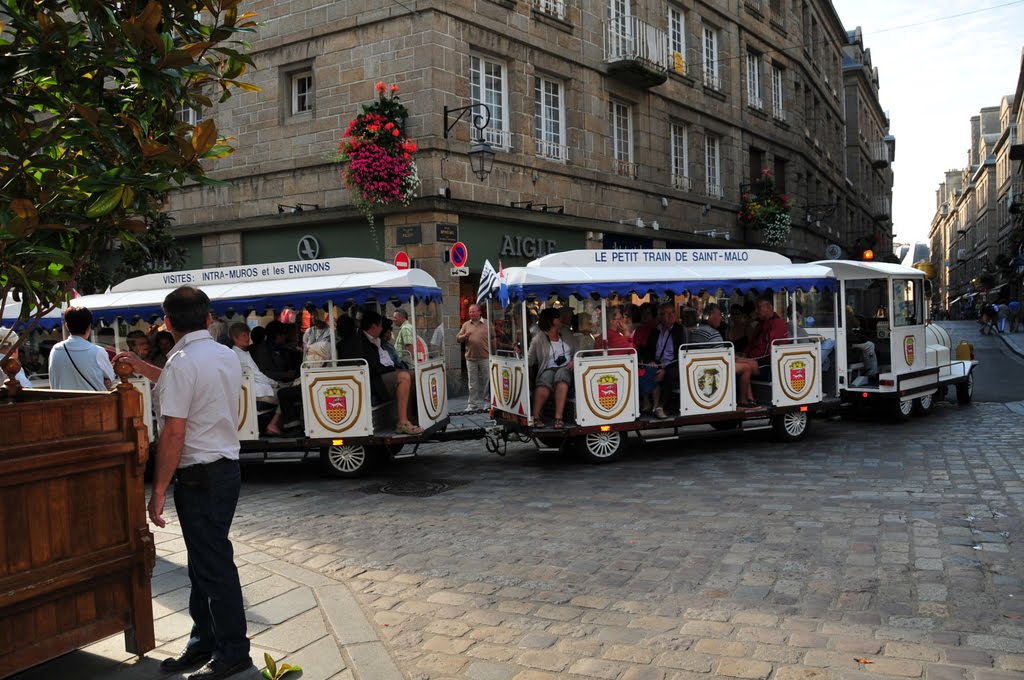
x: 867, y: 550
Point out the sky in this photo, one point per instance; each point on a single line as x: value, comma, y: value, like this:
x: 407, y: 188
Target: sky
x: 936, y: 70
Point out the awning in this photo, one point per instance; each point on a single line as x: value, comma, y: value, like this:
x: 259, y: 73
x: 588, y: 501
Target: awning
x: 12, y: 310
x: 602, y: 273
x: 342, y: 280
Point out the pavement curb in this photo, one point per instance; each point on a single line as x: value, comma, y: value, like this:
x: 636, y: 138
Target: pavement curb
x: 358, y: 643
x: 1014, y: 345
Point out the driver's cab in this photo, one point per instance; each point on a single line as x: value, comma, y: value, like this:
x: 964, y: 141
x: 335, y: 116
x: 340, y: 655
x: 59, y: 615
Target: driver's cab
x: 881, y: 342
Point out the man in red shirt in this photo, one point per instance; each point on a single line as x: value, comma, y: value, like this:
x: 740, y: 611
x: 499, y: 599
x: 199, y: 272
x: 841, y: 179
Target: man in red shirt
x: 770, y: 327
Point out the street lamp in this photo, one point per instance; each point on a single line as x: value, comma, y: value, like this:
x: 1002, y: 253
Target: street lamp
x: 481, y: 153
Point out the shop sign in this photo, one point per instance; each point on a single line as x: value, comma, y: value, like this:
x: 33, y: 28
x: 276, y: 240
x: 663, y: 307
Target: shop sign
x: 526, y: 246
x: 308, y: 248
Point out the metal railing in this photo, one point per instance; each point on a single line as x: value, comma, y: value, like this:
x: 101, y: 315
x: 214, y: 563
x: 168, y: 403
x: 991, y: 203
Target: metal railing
x: 554, y: 8
x: 629, y: 39
x: 879, y: 152
x: 712, y: 80
x: 681, y: 182
x: 779, y: 114
x: 624, y: 168
x: 551, y: 150
x: 755, y: 101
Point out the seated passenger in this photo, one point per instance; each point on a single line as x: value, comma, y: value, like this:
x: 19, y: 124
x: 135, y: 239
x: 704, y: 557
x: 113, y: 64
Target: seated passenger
x: 550, y: 354
x: 709, y: 329
x: 274, y: 357
x: 770, y: 327
x: 662, y: 351
x: 386, y: 381
x: 316, y: 340
x: 287, y: 401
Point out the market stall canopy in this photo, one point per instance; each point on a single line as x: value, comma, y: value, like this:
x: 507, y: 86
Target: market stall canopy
x: 342, y: 280
x: 602, y: 273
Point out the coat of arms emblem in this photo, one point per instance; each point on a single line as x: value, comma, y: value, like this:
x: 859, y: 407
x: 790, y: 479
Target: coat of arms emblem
x: 798, y: 376
x: 607, y: 391
x: 335, y: 404
x: 433, y: 391
x: 708, y: 383
x: 908, y: 349
x: 506, y: 385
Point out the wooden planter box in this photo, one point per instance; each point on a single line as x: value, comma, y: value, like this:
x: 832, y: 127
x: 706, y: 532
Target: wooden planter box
x: 76, y: 553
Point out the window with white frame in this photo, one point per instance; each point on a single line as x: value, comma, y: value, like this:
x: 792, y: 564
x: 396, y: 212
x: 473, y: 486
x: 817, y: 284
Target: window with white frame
x: 712, y: 166
x: 754, y: 98
x: 778, y: 110
x: 621, y: 117
x: 302, y: 92
x: 711, y: 77
x: 680, y: 156
x: 187, y: 114
x: 677, y: 40
x: 549, y: 119
x: 488, y: 84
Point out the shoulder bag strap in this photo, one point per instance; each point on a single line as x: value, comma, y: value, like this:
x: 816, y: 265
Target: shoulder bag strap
x: 89, y: 382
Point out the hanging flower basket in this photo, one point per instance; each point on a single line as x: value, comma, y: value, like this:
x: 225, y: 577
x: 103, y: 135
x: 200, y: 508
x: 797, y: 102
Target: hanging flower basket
x: 378, y: 156
x: 767, y: 211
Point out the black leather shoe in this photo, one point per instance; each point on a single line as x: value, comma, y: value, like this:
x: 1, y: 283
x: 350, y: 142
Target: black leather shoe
x: 187, y: 660
x: 215, y: 670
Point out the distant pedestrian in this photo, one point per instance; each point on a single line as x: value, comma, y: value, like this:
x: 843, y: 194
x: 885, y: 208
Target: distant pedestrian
x: 474, y: 334
x: 198, y: 394
x: 1003, y: 316
x: 76, y: 363
x: 1015, y: 315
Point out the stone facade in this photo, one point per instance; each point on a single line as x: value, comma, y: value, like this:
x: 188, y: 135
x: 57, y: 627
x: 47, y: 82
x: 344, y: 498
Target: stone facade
x: 282, y: 157
x: 976, y: 230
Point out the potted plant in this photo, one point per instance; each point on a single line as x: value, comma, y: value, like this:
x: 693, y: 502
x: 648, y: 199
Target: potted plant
x: 379, y: 168
x: 766, y: 210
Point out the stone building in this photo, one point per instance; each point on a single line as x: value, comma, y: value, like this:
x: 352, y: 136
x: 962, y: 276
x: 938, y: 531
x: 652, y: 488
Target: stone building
x: 615, y: 124
x: 976, y: 231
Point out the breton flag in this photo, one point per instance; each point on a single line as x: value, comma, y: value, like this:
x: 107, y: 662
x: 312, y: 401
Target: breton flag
x: 487, y: 278
x: 502, y: 287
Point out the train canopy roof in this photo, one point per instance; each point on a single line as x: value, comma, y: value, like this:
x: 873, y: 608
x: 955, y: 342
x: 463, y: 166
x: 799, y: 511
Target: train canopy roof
x: 602, y: 273
x: 848, y: 270
x: 342, y: 280
x: 12, y: 310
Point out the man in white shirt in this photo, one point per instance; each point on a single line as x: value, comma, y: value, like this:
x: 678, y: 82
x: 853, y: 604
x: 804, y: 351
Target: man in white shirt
x: 76, y: 363
x: 198, y: 392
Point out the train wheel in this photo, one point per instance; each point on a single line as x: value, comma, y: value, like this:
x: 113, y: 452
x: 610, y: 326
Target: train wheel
x: 900, y: 410
x: 347, y: 461
x: 924, y: 405
x: 791, y: 426
x: 601, y: 447
x: 965, y: 390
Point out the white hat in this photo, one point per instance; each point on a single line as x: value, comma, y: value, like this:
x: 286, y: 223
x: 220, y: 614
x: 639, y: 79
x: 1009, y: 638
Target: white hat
x: 8, y: 337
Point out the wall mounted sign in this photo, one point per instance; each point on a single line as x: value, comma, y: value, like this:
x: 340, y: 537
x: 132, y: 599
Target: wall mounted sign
x: 447, y: 233
x: 308, y: 248
x: 526, y: 246
x: 409, y: 234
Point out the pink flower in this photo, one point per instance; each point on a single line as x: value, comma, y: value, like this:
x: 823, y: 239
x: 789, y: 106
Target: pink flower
x: 394, y: 89
x: 380, y: 87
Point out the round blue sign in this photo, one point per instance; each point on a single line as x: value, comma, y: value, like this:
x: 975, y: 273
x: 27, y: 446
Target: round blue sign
x: 459, y: 254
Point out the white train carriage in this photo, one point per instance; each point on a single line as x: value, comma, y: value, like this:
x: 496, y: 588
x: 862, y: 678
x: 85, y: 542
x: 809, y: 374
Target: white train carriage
x: 606, y: 382
x: 888, y: 353
x: 339, y: 419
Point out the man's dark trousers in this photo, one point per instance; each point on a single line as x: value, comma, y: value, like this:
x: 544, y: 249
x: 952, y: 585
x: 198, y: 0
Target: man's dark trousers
x: 205, y: 497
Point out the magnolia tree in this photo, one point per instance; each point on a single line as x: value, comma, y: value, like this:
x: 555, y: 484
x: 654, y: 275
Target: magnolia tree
x: 90, y: 133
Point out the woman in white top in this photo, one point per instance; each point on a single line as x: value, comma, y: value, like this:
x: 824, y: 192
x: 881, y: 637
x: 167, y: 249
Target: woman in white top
x: 550, y: 354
